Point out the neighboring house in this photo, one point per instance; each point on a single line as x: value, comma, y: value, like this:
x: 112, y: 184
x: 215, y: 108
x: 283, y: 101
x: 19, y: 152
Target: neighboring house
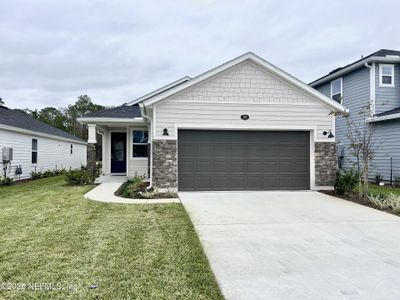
x: 244, y: 125
x: 36, y: 146
x: 374, y: 82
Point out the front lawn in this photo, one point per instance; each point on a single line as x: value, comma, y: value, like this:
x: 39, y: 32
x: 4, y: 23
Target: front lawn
x: 55, y: 244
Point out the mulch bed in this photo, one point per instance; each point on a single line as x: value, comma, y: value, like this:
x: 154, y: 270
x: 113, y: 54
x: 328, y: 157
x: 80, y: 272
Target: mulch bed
x: 354, y: 198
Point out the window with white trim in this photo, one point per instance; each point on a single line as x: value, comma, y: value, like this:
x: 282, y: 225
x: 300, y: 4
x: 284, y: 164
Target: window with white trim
x: 140, y: 143
x: 34, y: 156
x: 386, y: 75
x: 337, y: 90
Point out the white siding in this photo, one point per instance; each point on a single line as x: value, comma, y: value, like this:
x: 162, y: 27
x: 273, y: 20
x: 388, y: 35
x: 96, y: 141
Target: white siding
x: 136, y: 166
x: 244, y: 89
x: 52, y: 153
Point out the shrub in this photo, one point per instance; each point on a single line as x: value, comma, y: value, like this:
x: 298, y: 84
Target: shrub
x: 79, y: 177
x: 36, y: 175
x: 60, y: 172
x: 378, y: 178
x: 6, y: 181
x: 48, y: 173
x: 345, y: 182
x: 381, y: 202
x: 134, y: 188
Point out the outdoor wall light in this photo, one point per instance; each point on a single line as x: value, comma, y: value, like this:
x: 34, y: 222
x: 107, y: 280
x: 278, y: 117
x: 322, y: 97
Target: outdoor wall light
x: 165, y: 131
x: 330, y: 134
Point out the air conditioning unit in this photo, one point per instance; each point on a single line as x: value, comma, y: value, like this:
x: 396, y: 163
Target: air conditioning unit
x: 7, y: 154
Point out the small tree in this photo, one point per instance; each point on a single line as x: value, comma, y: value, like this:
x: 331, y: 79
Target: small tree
x: 360, y: 134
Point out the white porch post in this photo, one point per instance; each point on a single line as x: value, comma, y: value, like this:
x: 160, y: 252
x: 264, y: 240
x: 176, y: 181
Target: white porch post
x: 92, y: 134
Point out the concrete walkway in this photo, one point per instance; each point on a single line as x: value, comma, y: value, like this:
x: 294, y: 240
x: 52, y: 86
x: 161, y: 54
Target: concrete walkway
x: 297, y: 245
x: 104, y: 192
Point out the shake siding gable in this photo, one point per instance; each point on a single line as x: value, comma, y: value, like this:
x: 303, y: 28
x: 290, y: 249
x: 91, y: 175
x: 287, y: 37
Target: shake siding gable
x: 243, y: 89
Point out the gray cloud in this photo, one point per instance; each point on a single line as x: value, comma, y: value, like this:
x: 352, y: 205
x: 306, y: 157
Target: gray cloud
x: 53, y: 51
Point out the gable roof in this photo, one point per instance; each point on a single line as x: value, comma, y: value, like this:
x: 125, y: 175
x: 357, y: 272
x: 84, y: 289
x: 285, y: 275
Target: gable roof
x: 380, y: 55
x: 17, y: 119
x: 160, y: 90
x: 124, y: 111
x: 249, y: 56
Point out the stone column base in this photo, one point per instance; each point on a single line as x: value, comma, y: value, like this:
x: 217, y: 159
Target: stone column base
x: 164, y: 164
x: 325, y: 163
x: 91, y: 159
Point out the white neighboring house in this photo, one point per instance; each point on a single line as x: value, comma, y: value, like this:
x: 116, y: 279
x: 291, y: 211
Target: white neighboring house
x: 36, y: 146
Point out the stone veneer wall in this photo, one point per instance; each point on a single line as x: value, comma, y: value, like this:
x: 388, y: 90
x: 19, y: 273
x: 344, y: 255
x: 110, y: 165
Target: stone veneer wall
x: 164, y: 164
x: 91, y: 158
x: 325, y: 163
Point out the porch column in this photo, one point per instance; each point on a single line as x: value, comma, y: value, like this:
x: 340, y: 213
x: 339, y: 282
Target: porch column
x: 91, y: 149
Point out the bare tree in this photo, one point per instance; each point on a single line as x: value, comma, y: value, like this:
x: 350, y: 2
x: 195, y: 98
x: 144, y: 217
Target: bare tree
x: 360, y: 133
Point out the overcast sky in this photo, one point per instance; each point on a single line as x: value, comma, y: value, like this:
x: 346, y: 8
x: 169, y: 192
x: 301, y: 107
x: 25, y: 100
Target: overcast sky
x: 114, y: 51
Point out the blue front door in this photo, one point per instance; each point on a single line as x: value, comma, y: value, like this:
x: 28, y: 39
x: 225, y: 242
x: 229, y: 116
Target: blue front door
x: 118, y: 152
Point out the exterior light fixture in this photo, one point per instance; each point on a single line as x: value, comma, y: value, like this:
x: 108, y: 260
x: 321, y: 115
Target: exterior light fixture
x: 165, y: 131
x: 244, y: 117
x: 330, y: 135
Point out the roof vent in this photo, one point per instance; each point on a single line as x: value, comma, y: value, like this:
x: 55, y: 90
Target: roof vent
x: 1, y: 102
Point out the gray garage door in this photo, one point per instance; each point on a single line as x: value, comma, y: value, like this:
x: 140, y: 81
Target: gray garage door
x: 226, y: 160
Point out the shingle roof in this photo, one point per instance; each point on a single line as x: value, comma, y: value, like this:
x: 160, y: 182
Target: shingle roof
x: 10, y: 117
x: 389, y: 112
x: 123, y: 111
x: 379, y: 53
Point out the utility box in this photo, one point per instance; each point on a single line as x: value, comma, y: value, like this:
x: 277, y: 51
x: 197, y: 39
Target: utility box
x: 7, y: 154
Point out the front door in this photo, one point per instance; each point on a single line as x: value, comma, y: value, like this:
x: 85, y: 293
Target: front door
x: 118, y: 152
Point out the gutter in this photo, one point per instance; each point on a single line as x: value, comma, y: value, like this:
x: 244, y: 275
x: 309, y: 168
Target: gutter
x: 110, y: 120
x: 354, y: 66
x: 371, y: 87
x: 145, y: 116
x: 383, y: 118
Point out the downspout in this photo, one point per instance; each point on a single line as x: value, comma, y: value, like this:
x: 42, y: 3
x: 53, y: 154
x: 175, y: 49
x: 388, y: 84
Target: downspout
x: 372, y: 87
x: 144, y: 115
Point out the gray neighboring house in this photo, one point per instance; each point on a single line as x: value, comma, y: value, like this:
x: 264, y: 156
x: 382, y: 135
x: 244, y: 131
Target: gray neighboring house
x: 244, y: 125
x: 374, y: 80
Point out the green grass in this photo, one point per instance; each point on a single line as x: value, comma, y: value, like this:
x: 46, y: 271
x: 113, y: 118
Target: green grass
x: 383, y: 190
x: 50, y: 235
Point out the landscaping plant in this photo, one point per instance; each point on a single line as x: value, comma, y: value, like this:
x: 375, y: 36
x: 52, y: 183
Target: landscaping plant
x: 391, y: 202
x: 6, y: 181
x: 346, y: 182
x: 361, y: 143
x: 79, y: 177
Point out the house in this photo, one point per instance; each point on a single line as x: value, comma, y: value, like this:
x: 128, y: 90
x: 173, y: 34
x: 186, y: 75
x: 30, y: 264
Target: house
x: 373, y: 82
x: 36, y: 146
x: 244, y: 125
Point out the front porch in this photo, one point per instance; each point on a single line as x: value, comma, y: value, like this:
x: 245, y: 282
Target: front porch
x: 125, y: 142
x: 125, y: 151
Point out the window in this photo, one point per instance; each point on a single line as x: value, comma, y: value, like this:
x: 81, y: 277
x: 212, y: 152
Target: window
x: 386, y: 75
x: 337, y: 90
x: 72, y: 148
x: 34, y: 151
x: 140, y: 141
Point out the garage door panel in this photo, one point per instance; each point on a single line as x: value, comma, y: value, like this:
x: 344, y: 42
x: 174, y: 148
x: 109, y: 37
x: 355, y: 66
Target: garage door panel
x: 243, y: 160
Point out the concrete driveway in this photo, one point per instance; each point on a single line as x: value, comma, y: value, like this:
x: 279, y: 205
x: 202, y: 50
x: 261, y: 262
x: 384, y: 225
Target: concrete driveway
x: 297, y: 245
